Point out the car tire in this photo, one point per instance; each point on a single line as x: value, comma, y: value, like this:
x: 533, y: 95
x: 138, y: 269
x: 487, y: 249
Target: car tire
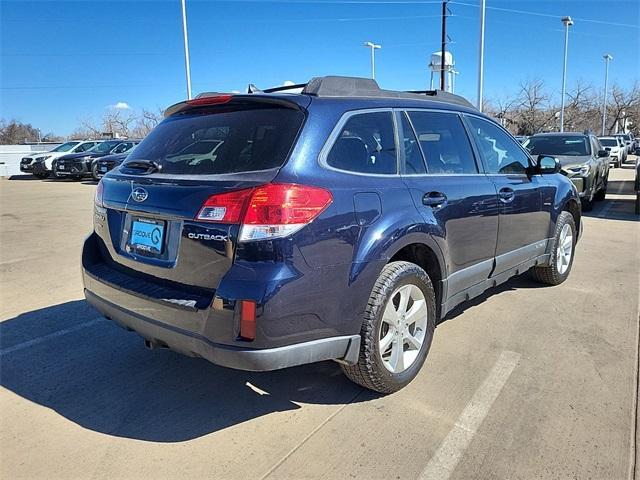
x: 560, y: 264
x: 602, y: 193
x: 587, y: 204
x: 94, y: 172
x: 374, y: 368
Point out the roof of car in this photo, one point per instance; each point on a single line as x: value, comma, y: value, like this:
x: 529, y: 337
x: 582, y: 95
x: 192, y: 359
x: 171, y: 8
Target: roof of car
x: 357, y: 92
x: 561, y: 134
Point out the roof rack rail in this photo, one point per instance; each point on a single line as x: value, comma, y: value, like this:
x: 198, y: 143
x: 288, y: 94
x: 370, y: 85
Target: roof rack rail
x: 338, y: 86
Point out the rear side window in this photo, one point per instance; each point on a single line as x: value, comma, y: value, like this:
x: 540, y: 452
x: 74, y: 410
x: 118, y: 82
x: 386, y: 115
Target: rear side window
x: 366, y: 144
x: 444, y: 143
x: 221, y: 140
x: 413, y: 161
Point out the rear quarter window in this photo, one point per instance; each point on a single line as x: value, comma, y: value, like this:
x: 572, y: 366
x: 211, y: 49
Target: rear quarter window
x: 221, y: 140
x: 366, y: 144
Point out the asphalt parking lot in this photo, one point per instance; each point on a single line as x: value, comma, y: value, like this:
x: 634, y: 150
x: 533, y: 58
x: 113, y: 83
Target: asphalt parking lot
x: 527, y: 382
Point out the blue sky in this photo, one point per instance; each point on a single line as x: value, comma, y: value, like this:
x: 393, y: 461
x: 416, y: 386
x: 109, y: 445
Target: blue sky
x: 66, y: 61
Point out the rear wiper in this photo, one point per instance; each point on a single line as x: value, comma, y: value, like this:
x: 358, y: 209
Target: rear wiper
x: 149, y: 166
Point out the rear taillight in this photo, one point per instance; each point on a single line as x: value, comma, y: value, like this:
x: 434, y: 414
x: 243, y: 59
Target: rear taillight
x: 269, y: 211
x: 99, y: 198
x: 225, y: 207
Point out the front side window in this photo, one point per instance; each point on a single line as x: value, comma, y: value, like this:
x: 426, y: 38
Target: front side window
x: 104, y: 147
x: 121, y: 148
x: 84, y: 147
x: 501, y: 153
x: 444, y: 142
x: 366, y: 144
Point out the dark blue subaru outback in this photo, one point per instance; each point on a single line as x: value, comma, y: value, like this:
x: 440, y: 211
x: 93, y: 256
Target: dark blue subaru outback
x: 271, y: 229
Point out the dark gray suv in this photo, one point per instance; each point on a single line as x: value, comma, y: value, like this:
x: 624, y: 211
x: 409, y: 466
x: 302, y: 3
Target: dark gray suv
x: 583, y: 160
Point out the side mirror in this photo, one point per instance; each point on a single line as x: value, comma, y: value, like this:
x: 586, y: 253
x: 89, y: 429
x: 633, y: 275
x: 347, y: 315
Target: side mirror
x: 548, y: 164
x: 603, y: 153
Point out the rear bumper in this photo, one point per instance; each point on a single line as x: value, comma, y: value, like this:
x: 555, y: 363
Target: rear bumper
x: 191, y: 343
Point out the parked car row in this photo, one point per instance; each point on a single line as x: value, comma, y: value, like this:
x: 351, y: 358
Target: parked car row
x: 77, y: 159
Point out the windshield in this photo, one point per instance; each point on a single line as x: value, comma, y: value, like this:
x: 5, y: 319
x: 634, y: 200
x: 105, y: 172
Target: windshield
x: 65, y: 147
x: 558, y: 145
x: 221, y: 140
x: 104, y: 147
x: 608, y: 142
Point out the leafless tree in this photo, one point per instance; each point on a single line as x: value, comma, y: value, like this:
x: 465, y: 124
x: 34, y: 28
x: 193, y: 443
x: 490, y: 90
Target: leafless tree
x: 118, y: 122
x: 147, y: 121
x: 534, y: 108
x: 623, y: 103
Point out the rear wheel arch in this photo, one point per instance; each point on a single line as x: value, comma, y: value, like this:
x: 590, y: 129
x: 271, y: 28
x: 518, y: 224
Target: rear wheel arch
x: 426, y: 258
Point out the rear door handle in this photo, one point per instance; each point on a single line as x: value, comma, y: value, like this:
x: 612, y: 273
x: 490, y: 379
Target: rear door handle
x: 434, y: 199
x: 506, y: 195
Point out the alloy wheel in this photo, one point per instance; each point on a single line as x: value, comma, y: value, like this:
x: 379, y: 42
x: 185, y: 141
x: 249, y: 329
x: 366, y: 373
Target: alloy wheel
x: 564, y: 249
x: 403, y: 328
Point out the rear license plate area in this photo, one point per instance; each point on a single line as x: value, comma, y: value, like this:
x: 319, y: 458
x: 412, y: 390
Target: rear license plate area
x: 147, y: 236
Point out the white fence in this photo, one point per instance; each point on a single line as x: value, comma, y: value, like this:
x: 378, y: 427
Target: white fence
x: 10, y: 156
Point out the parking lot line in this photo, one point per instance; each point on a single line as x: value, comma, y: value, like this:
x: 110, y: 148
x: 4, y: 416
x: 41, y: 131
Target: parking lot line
x: 311, y: 434
x: 448, y: 455
x: 44, y: 338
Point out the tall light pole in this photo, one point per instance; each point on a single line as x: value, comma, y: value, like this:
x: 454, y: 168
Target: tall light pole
x: 607, y: 59
x: 481, y: 60
x: 373, y: 48
x: 186, y: 48
x: 567, y: 23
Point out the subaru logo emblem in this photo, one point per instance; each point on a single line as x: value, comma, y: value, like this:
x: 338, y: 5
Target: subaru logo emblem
x: 139, y: 194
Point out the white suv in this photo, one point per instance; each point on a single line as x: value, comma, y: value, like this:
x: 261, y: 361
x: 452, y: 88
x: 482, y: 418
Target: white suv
x: 617, y: 153
x: 40, y: 164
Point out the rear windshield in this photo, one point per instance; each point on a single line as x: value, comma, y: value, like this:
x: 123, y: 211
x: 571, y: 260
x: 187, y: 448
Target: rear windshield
x: 608, y: 142
x: 222, y: 140
x: 558, y: 145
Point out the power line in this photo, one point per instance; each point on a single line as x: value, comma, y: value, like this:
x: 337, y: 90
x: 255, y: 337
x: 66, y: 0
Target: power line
x: 548, y: 15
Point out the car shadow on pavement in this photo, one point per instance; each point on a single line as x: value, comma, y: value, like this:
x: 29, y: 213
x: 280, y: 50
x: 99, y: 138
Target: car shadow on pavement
x: 27, y: 176
x: 622, y: 207
x: 69, y: 359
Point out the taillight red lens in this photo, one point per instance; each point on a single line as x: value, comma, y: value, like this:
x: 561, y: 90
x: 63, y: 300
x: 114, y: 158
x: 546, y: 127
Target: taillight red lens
x: 269, y: 211
x: 285, y: 204
x: 225, y: 207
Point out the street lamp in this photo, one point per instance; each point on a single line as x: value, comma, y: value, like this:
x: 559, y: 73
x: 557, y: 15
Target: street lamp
x: 373, y: 48
x: 607, y: 59
x: 481, y: 55
x: 567, y: 23
x: 186, y: 48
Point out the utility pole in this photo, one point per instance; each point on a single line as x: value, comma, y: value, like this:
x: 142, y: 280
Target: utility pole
x: 444, y: 43
x: 567, y: 23
x: 481, y: 59
x: 607, y: 59
x: 186, y: 49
